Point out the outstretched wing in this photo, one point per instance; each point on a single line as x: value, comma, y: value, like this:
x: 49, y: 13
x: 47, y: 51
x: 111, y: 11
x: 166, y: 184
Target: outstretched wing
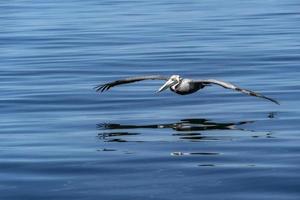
x: 233, y: 87
x: 107, y: 86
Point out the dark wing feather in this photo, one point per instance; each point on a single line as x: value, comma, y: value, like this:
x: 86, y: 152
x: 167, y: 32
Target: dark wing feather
x: 107, y: 86
x: 233, y: 87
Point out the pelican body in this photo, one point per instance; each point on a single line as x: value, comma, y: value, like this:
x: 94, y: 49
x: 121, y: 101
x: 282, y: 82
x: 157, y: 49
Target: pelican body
x: 182, y: 86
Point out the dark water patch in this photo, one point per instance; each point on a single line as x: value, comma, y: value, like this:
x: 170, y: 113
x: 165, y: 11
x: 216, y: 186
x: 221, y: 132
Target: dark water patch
x: 116, y: 140
x: 206, y: 165
x: 104, y: 135
x: 105, y: 149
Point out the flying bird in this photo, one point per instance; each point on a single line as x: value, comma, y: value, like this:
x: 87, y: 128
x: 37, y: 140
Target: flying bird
x: 182, y: 86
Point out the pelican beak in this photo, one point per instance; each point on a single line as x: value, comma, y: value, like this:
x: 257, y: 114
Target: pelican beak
x: 168, y: 84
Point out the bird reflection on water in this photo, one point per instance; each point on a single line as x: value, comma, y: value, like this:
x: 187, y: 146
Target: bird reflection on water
x: 185, y: 129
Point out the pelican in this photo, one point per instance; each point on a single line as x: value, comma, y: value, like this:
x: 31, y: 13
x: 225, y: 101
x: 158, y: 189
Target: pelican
x: 181, y: 86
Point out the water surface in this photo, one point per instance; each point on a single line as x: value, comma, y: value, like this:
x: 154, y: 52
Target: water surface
x: 59, y: 139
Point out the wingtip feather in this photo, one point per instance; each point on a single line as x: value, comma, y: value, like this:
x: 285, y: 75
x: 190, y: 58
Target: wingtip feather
x: 99, y: 88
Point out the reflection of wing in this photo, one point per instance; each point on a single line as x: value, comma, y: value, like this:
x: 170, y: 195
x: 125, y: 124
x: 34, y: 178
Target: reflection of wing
x: 186, y: 129
x: 182, y: 125
x: 107, y: 86
x: 233, y: 87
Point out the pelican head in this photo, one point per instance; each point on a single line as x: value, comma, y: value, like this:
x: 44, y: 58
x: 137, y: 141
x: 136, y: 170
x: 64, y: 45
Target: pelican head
x: 173, y: 80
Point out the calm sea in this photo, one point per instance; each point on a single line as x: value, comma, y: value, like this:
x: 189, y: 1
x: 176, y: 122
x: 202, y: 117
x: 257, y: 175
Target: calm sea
x: 59, y: 139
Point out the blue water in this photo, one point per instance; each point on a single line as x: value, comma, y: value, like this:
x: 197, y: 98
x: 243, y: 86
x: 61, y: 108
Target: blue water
x: 59, y: 139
